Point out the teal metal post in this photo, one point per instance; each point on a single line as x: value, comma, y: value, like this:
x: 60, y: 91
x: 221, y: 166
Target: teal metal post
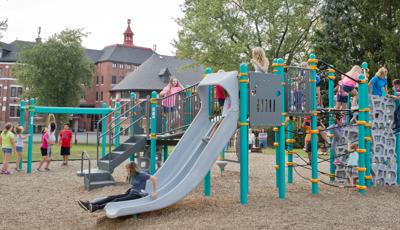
x: 207, y: 178
x: 363, y: 107
x: 153, y: 131
x: 276, y: 146
x: 397, y: 143
x: 398, y: 154
x: 368, y: 139
x: 348, y: 106
x: 281, y: 163
x: 103, y: 133
x: 312, y: 63
x: 132, y: 98
x: 188, y: 107
x: 290, y: 142
x: 117, y: 123
x: 31, y: 118
x: 165, y: 150
x: 331, y: 83
x: 244, y: 134
x: 276, y: 134
x: 21, y: 123
x: 132, y: 115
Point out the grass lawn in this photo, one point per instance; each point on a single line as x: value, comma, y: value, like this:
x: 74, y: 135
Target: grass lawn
x: 91, y: 149
x: 75, y: 152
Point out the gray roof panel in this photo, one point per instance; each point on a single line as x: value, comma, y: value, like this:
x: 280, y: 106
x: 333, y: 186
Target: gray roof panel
x: 124, y: 54
x: 146, y: 77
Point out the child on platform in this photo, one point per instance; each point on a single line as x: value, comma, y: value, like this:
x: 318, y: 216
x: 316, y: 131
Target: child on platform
x: 377, y: 85
x: 396, y: 97
x: 259, y: 61
x: 349, y: 83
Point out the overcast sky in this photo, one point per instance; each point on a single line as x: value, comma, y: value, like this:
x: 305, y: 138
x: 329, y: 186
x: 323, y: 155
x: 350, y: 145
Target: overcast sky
x: 105, y: 20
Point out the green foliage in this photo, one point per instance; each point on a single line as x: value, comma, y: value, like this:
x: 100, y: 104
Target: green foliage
x: 3, y: 27
x: 55, y: 71
x: 353, y: 31
x: 221, y: 33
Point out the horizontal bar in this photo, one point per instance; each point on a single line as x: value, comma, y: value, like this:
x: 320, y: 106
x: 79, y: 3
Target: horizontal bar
x: 71, y: 110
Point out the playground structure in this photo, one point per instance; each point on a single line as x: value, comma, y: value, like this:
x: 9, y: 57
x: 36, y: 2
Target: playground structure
x: 266, y: 110
x: 151, y: 130
x: 376, y: 165
x: 32, y: 109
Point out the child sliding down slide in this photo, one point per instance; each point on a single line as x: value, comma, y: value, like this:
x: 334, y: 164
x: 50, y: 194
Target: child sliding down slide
x: 136, y: 178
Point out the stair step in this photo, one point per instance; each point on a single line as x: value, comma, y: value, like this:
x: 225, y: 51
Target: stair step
x: 118, y: 152
x: 129, y: 143
x: 92, y: 171
x: 105, y: 182
x: 99, y: 184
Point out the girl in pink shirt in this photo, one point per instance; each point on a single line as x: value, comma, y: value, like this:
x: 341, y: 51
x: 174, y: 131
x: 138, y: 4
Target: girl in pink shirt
x: 170, y: 93
x: 349, y: 85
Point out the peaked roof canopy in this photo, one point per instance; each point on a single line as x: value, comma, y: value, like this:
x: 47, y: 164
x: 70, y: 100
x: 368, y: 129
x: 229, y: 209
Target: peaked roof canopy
x: 148, y: 75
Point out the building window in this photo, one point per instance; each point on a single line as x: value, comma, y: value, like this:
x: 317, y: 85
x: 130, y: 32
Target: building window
x: 114, y: 80
x: 19, y: 91
x: 97, y: 80
x: 1, y: 71
x: 97, y: 96
x: 128, y: 66
x: 114, y: 65
x: 101, y: 96
x: 102, y: 79
x: 13, y: 91
x: 14, y: 111
x: 1, y: 90
x: 121, y: 66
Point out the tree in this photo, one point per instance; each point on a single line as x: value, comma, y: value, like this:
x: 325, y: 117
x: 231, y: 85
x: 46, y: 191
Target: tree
x: 3, y: 27
x: 353, y: 31
x: 221, y: 33
x: 55, y: 72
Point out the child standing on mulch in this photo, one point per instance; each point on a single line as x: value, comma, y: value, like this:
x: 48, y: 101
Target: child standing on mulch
x: 19, y: 145
x: 352, y: 163
x: 65, y: 143
x: 7, y: 143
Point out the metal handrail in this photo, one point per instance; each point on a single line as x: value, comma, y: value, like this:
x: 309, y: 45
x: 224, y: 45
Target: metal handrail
x: 130, y: 125
x: 84, y: 153
x: 110, y: 128
x: 180, y: 91
x: 337, y: 70
x: 105, y: 117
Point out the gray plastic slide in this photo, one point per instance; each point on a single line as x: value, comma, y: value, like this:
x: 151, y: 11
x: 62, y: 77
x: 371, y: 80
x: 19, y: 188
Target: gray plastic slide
x: 192, y: 158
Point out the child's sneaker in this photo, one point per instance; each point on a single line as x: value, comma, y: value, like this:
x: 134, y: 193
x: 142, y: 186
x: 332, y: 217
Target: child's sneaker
x: 6, y: 172
x: 84, y: 204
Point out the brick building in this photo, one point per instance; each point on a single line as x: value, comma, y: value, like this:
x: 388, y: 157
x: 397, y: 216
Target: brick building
x: 10, y: 90
x: 113, y: 63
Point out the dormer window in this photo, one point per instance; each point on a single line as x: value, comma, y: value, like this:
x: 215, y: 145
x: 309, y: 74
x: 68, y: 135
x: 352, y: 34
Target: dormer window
x: 164, y: 74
